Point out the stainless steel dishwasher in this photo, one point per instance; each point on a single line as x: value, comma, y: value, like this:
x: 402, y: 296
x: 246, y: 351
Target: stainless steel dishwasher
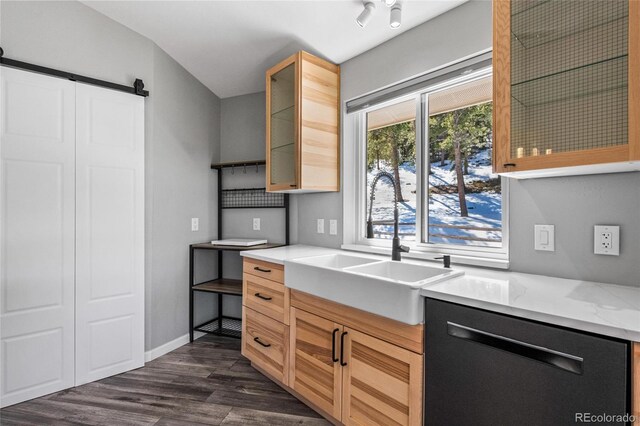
x: 484, y: 368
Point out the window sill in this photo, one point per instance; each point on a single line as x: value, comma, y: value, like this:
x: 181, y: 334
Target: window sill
x: 429, y: 255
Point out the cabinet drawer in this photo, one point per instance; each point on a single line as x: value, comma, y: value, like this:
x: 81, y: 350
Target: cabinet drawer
x: 267, y: 297
x: 270, y: 271
x: 265, y: 342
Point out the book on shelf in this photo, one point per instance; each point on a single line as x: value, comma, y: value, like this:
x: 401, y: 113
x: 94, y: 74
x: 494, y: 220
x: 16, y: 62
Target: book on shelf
x: 241, y: 242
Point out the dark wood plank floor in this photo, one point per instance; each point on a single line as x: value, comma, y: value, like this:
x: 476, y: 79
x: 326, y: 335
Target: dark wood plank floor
x: 206, y: 382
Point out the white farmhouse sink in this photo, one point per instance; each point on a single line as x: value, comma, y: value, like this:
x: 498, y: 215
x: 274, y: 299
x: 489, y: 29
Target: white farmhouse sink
x: 386, y: 288
x: 337, y: 260
x: 404, y: 273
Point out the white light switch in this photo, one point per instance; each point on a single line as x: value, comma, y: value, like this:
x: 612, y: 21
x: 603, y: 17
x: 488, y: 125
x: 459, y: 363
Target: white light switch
x: 333, y: 227
x: 606, y: 240
x: 320, y: 226
x: 195, y: 224
x: 544, y: 237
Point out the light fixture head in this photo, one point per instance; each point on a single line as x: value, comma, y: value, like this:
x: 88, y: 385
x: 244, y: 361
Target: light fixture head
x: 395, y: 16
x: 364, y: 17
x: 389, y: 3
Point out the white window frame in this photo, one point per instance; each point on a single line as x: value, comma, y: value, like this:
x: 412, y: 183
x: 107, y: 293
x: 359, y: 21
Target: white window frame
x: 356, y: 189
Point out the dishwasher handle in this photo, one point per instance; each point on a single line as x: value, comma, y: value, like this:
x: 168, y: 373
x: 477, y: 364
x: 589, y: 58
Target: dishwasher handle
x: 563, y: 361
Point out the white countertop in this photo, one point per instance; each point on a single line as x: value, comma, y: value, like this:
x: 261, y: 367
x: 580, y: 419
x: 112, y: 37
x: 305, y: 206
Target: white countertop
x: 606, y: 309
x: 280, y: 254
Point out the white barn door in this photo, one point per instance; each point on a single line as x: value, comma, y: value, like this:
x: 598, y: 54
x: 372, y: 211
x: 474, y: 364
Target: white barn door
x: 37, y: 209
x: 109, y: 233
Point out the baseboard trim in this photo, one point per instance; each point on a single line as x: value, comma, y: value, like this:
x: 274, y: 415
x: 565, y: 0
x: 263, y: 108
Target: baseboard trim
x: 169, y: 346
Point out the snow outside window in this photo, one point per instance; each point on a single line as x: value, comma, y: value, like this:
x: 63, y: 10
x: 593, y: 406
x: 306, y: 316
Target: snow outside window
x: 458, y: 201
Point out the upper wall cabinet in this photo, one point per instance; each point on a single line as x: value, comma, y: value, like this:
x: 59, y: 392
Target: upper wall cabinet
x: 566, y: 87
x: 303, y: 123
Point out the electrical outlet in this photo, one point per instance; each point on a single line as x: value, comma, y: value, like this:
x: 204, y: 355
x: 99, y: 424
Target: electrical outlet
x: 606, y: 240
x: 195, y: 224
x: 320, y: 226
x: 333, y: 227
x: 256, y: 223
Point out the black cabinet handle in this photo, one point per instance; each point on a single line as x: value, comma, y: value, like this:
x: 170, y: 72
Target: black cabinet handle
x: 342, y: 363
x: 509, y: 165
x: 563, y: 361
x: 257, y: 340
x: 259, y: 296
x: 333, y: 345
x: 257, y: 268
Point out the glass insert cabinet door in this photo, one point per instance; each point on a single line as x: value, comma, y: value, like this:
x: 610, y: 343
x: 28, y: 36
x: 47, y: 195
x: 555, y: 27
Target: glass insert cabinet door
x: 562, y: 82
x: 282, y: 129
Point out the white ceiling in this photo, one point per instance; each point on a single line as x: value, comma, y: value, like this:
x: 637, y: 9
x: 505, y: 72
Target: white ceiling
x: 228, y: 45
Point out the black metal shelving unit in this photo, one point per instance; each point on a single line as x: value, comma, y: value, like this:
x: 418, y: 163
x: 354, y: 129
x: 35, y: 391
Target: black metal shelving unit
x: 241, y: 198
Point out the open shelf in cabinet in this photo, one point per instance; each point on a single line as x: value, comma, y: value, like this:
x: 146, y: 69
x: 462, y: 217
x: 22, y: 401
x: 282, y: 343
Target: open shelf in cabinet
x: 577, y: 82
x: 537, y: 23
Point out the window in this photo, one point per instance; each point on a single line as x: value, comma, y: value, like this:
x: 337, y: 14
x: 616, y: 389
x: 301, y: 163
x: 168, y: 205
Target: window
x: 391, y: 151
x: 433, y: 149
x: 465, y: 198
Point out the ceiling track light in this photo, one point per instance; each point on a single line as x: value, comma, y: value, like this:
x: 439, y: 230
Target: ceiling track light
x: 395, y: 16
x: 365, y: 16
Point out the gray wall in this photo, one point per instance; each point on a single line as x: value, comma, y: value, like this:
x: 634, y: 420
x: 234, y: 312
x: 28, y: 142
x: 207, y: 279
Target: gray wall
x: 186, y: 123
x: 460, y: 32
x: 243, y: 127
x: 572, y: 204
x: 182, y: 136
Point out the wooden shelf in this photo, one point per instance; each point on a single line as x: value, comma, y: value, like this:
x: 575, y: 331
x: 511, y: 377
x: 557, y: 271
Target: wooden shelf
x: 221, y: 285
x: 209, y: 246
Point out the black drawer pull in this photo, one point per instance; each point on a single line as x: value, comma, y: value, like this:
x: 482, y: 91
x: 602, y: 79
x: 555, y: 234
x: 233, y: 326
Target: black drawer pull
x: 257, y: 340
x: 570, y: 363
x: 259, y: 296
x: 333, y: 345
x: 509, y: 165
x: 342, y: 363
x: 257, y: 268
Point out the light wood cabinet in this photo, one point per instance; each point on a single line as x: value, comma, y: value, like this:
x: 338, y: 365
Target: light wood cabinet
x: 566, y: 87
x: 382, y: 383
x: 353, y: 377
x: 268, y: 297
x: 303, y: 122
x: 353, y: 367
x: 265, y: 342
x: 268, y: 270
x: 315, y: 371
x: 265, y: 318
